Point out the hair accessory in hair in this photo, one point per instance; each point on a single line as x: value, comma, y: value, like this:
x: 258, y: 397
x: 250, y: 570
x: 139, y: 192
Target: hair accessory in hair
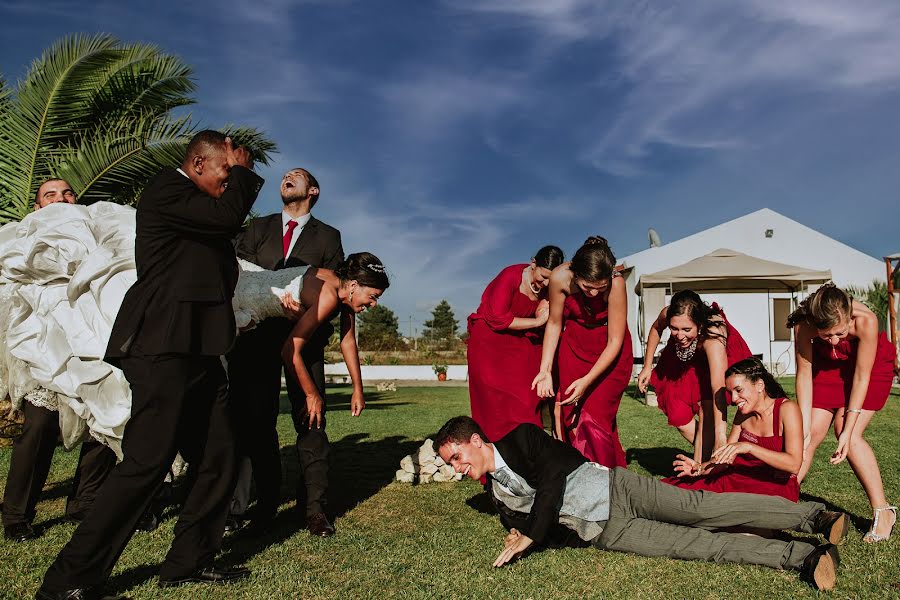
x: 375, y: 267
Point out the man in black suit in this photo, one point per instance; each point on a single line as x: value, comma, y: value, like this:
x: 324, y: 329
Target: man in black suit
x: 291, y: 238
x: 539, y: 482
x: 174, y: 325
x: 32, y: 451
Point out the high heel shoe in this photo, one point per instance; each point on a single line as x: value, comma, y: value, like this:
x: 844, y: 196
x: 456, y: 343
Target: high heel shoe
x: 871, y: 537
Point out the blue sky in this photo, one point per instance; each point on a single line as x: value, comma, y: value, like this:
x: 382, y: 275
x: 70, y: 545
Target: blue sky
x: 453, y: 138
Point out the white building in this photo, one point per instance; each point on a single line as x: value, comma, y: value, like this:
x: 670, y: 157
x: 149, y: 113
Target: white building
x: 758, y: 312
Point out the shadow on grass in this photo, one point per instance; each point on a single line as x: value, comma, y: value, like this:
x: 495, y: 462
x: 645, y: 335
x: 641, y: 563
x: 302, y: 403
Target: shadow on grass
x: 861, y: 523
x: 131, y: 578
x: 482, y: 503
x: 359, y: 469
x: 341, y: 401
x: 657, y: 461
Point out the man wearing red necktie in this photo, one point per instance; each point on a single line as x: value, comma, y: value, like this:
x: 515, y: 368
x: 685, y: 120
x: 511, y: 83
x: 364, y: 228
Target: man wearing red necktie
x: 291, y: 238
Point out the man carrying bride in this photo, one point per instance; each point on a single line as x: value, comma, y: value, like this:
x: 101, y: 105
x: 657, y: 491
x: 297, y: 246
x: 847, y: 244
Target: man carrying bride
x: 291, y: 238
x: 174, y: 324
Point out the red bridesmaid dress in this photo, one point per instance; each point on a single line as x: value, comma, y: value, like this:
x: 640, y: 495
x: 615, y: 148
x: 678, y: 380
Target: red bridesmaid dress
x: 833, y: 368
x: 747, y: 473
x: 503, y: 363
x: 583, y: 339
x: 681, y: 386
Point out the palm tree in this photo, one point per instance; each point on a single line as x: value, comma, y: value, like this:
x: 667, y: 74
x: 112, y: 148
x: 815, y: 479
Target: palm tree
x: 99, y: 113
x: 875, y: 296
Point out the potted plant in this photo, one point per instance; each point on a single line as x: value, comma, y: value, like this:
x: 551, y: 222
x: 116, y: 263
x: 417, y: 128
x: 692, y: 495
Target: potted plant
x: 440, y: 369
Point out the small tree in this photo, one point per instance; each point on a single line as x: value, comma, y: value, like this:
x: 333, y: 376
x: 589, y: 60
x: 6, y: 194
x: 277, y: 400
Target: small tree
x: 442, y: 325
x: 379, y: 329
x: 875, y: 296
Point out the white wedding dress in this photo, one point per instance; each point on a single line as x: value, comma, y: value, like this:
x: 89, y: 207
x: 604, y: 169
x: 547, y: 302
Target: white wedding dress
x: 64, y: 271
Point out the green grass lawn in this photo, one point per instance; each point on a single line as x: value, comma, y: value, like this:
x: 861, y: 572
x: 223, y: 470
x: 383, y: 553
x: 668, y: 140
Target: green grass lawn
x: 438, y: 540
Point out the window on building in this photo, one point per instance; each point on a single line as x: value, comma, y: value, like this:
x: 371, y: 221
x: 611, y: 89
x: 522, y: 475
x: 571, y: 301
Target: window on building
x: 781, y: 308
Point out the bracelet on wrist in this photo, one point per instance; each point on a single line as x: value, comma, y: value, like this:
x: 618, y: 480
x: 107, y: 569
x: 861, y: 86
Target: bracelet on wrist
x: 853, y: 410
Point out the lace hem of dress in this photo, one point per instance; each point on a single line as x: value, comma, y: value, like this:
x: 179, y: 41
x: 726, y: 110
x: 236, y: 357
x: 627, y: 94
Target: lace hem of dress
x: 43, y: 398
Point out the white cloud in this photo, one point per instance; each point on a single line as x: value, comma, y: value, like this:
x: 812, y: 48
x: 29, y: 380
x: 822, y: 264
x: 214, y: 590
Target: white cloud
x: 688, y: 65
x: 429, y: 102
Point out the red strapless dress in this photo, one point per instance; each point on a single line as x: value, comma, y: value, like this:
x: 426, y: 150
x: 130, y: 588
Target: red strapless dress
x: 747, y: 473
x: 583, y: 338
x: 681, y: 386
x: 833, y: 368
x: 503, y: 363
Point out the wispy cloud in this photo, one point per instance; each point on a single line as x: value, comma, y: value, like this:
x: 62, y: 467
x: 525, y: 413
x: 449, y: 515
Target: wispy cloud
x: 692, y: 66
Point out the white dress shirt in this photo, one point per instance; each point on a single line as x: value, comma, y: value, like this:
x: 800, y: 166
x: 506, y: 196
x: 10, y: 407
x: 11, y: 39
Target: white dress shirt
x: 301, y: 223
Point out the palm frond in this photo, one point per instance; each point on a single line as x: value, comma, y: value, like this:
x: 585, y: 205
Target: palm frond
x: 259, y: 145
x: 98, y: 113
x: 115, y: 164
x: 52, y: 103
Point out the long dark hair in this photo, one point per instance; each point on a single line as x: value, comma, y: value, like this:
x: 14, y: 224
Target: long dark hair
x: 753, y: 370
x: 690, y: 304
x: 824, y: 308
x: 594, y: 261
x: 366, y: 269
x: 549, y: 257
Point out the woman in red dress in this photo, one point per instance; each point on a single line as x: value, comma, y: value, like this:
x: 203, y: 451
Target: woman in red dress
x: 504, y: 345
x: 594, y: 359
x: 689, y: 378
x: 845, y: 368
x: 765, y: 447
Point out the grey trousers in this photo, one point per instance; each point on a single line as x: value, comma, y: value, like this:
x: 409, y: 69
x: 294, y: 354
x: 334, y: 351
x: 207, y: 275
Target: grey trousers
x: 652, y: 518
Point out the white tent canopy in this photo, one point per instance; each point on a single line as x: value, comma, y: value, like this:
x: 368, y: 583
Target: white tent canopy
x: 725, y: 269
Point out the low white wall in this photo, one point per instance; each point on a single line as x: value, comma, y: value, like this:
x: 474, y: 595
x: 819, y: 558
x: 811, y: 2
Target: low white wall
x: 410, y: 372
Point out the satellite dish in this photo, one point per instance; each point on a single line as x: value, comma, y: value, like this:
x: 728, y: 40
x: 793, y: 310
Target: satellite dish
x: 655, y: 242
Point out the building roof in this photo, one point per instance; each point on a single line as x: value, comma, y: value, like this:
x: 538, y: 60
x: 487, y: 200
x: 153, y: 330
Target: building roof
x: 767, y: 235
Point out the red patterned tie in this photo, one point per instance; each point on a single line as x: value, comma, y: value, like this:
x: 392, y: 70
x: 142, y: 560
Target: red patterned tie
x: 286, y: 242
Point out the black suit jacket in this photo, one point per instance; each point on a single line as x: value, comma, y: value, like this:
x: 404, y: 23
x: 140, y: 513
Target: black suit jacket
x: 186, y: 268
x: 544, y: 463
x: 319, y: 244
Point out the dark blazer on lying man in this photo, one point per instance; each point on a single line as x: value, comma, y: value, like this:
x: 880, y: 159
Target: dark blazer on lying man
x: 551, y: 483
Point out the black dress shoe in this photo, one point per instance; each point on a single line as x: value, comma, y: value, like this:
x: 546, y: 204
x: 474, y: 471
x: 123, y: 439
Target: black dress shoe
x: 209, y: 575
x: 233, y: 523
x: 833, y: 525
x: 76, y: 594
x: 148, y: 522
x: 820, y: 567
x: 318, y: 524
x: 19, y: 532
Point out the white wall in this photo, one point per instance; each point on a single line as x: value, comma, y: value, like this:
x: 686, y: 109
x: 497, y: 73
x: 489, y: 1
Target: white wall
x: 407, y: 372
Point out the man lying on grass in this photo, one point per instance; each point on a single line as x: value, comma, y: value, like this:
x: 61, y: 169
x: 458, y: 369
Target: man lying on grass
x: 539, y: 482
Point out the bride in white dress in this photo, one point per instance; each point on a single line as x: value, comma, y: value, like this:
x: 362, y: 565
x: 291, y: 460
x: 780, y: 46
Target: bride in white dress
x: 64, y: 271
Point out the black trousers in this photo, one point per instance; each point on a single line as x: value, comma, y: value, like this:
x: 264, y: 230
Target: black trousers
x: 179, y: 403
x: 30, y: 462
x: 255, y: 369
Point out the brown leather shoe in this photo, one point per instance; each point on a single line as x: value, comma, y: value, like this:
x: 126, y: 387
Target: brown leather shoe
x: 832, y: 525
x: 820, y: 567
x: 318, y: 524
